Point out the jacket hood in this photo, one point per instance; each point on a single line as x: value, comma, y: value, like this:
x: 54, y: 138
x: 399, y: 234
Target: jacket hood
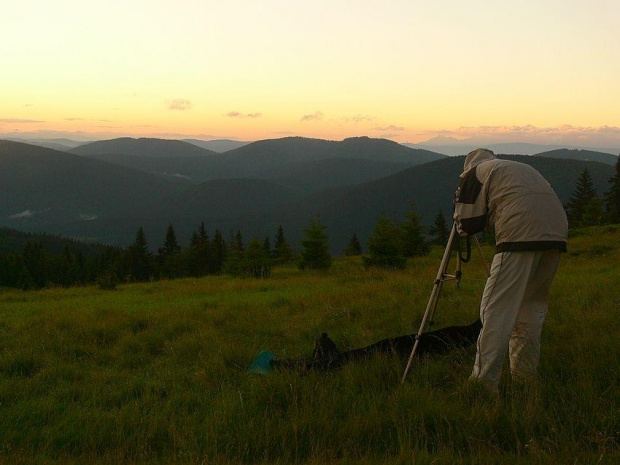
x: 475, y: 157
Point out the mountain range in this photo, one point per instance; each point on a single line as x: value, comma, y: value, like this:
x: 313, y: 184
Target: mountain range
x: 452, y: 146
x: 286, y: 181
x: 287, y: 160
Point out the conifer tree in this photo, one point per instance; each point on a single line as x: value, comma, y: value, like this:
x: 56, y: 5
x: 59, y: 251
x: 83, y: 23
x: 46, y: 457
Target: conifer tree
x: 13, y: 272
x: 79, y: 273
x: 202, y: 234
x: 111, y: 265
x: 62, y: 268
x: 199, y: 252
x: 140, y: 259
x: 584, y: 207
x: 235, y: 256
x: 170, y: 265
x: 171, y: 246
x: 439, y: 230
x: 237, y: 241
x: 267, y: 246
x: 257, y: 260
x: 612, y: 196
x: 315, y: 248
x: 384, y: 247
x: 218, y: 252
x: 282, y: 251
x: 36, y: 262
x: 354, y: 248
x: 413, y: 241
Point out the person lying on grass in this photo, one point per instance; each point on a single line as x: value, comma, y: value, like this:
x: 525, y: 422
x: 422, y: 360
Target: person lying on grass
x: 326, y: 355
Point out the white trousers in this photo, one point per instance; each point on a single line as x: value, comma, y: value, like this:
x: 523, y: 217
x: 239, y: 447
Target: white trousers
x: 512, y: 310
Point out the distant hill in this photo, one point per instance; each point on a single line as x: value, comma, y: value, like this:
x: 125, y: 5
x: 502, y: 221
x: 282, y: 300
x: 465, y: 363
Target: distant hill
x: 41, y: 143
x: 222, y: 198
x: 451, y: 146
x: 156, y: 148
x: 41, y: 185
x: 61, y: 144
x: 191, y: 169
x: 314, y: 176
x: 586, y: 155
x: 286, y: 160
x: 262, y: 158
x: 217, y: 145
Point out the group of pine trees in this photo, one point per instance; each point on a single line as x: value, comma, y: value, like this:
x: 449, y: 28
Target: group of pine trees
x: 206, y: 255
x: 392, y: 243
x: 34, y: 267
x: 586, y: 208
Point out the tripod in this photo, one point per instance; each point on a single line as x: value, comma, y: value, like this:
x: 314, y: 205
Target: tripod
x: 443, y: 276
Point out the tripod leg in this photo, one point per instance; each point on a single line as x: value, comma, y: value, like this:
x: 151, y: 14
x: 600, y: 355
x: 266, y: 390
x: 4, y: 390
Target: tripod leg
x: 434, y: 298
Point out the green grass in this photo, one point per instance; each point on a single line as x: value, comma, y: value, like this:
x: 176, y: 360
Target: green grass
x: 156, y: 372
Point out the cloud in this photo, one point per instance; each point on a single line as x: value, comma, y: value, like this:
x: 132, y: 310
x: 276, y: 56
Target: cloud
x: 316, y: 116
x: 19, y: 121
x: 24, y: 214
x: 92, y: 120
x: 87, y: 217
x: 236, y: 114
x: 391, y: 127
x: 359, y: 119
x: 180, y: 104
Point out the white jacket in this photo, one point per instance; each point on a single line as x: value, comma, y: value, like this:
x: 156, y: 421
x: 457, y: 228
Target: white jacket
x: 514, y: 200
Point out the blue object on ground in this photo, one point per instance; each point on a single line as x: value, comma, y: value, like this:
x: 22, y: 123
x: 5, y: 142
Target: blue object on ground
x: 262, y: 363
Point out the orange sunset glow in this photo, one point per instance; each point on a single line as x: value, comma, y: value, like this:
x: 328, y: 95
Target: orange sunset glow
x: 407, y: 71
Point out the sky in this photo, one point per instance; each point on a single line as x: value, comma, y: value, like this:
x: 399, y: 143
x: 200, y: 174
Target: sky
x: 545, y: 71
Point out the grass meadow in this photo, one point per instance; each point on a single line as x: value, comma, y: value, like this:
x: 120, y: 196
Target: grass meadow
x: 156, y: 372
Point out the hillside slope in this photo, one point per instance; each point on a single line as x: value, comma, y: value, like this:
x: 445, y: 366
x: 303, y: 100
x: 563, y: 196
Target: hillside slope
x: 260, y: 158
x: 222, y: 198
x: 585, y: 155
x: 42, y: 185
x: 142, y: 147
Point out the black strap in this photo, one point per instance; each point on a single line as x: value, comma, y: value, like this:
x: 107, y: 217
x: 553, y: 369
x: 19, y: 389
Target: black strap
x: 467, y: 257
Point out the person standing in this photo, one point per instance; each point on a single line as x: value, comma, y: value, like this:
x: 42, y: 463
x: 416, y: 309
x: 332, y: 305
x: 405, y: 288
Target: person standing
x: 531, y: 231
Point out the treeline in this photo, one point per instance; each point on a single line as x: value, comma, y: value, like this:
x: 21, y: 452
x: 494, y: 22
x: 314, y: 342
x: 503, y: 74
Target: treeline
x: 586, y: 208
x: 34, y: 267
